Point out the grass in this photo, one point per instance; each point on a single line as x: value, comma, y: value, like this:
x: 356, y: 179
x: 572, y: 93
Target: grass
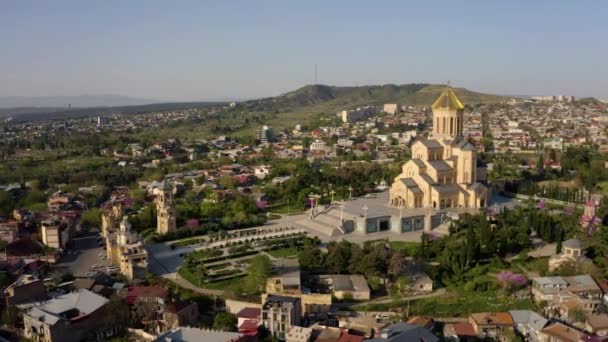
x: 188, y: 242
x: 409, y: 247
x: 224, y: 284
x: 284, y: 252
x: 455, y: 304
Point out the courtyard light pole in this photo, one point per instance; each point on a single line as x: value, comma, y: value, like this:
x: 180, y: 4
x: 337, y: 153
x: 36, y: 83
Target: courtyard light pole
x: 332, y: 193
x: 350, y: 193
x: 341, y: 215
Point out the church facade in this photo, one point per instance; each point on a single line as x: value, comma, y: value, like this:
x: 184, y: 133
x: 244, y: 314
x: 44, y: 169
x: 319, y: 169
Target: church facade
x: 443, y: 170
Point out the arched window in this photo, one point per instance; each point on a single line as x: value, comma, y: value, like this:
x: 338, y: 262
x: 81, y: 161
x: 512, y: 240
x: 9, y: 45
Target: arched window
x: 452, y: 126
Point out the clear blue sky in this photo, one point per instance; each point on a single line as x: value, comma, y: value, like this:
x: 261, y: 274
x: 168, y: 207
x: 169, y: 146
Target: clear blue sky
x: 208, y: 50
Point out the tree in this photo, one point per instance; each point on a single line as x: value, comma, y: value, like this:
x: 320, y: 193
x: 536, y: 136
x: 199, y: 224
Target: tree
x: 92, y: 217
x: 395, y: 264
x: 540, y: 164
x: 257, y: 273
x: 400, y: 287
x: 577, y: 315
x: 224, y: 321
x: 227, y: 182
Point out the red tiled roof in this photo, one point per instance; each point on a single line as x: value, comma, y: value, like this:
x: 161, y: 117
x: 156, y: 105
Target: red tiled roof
x: 249, y: 327
x: 253, y: 313
x: 137, y: 292
x: 348, y: 337
x: 464, y: 329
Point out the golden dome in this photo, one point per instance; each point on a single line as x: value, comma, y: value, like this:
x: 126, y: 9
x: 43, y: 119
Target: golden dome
x: 447, y: 100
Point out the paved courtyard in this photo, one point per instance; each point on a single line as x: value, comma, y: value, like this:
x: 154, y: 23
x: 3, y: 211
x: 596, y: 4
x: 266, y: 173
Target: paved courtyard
x: 87, y: 254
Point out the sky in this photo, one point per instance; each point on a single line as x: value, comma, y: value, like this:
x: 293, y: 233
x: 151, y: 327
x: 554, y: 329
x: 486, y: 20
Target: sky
x: 230, y: 50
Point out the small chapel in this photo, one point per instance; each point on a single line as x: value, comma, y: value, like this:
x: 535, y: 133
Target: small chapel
x: 443, y: 170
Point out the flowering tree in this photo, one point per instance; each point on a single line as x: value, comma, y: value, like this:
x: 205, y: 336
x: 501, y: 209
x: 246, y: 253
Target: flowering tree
x: 512, y: 281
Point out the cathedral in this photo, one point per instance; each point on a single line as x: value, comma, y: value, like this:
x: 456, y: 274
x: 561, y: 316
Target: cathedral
x: 443, y: 170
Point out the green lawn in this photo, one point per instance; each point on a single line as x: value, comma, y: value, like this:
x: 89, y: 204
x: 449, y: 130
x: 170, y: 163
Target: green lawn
x: 188, y: 242
x: 409, y: 247
x: 284, y: 252
x: 224, y: 284
x: 455, y: 304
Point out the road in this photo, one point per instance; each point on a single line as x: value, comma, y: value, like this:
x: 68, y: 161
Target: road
x: 176, y: 278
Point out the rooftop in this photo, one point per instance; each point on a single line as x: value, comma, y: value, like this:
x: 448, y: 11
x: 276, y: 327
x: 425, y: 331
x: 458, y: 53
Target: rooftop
x: 497, y: 318
x: 447, y: 100
x: 70, y: 306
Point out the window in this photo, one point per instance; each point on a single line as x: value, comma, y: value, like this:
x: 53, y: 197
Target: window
x: 418, y: 223
x: 406, y: 225
x: 372, y: 227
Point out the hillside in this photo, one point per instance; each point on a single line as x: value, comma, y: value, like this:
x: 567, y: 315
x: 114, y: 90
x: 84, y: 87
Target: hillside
x: 301, y: 105
x: 330, y: 98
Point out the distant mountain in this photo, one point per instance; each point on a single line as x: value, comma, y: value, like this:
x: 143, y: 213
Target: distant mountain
x: 296, y: 106
x: 330, y: 98
x: 80, y: 101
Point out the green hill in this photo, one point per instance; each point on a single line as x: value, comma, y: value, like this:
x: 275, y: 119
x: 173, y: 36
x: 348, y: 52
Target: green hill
x: 303, y: 104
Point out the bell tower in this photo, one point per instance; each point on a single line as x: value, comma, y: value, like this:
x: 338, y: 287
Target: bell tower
x: 448, y: 115
x: 165, y: 212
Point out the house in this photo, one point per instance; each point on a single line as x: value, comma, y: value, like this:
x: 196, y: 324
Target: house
x: 420, y: 282
x: 572, y: 252
x: 582, y: 293
x: 529, y: 324
x: 459, y: 332
x: 150, y: 294
x: 299, y: 334
x: 71, y: 317
x: 422, y: 321
x: 491, y: 324
x: 547, y: 288
x: 189, y: 334
x: 180, y: 314
x: 285, y: 277
x: 346, y: 336
x: 558, y: 332
x: 26, y: 288
x: 404, y: 332
x: 248, y: 320
x: 280, y: 313
x: 344, y: 286
x: 597, y: 324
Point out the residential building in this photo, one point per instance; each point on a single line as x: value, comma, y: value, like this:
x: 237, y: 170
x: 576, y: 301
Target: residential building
x: 26, y: 288
x: 344, y: 286
x: 597, y: 324
x: 391, y: 108
x: 564, y: 294
x: 55, y: 234
x: 572, y: 253
x: 75, y: 316
x: 180, y: 314
x: 299, y: 334
x: 189, y: 334
x: 280, y: 313
x: 404, y: 332
x: 285, y: 277
x: 529, y: 324
x: 558, y: 332
x: 491, y: 324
